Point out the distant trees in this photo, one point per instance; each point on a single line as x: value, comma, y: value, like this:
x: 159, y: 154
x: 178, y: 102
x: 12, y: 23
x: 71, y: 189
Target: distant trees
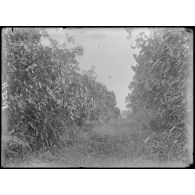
x: 47, y: 92
x: 158, y: 90
x: 90, y: 100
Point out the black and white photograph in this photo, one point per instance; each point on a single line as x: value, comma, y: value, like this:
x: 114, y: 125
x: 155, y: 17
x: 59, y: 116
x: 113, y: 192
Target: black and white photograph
x: 97, y: 97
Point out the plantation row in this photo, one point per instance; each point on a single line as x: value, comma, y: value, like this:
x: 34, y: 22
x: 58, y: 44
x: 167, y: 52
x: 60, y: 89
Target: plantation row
x: 160, y: 99
x: 48, y: 93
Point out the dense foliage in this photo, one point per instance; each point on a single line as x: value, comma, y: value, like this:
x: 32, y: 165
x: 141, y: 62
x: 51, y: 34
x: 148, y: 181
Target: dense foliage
x: 47, y: 91
x: 158, y: 92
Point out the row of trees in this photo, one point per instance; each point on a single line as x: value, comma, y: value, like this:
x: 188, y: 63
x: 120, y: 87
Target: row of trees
x: 158, y: 99
x: 47, y: 91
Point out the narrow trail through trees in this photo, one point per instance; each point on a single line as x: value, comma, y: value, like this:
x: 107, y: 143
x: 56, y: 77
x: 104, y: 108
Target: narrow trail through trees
x: 59, y: 116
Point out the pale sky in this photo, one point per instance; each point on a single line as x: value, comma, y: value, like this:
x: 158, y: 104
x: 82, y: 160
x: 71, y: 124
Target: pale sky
x: 108, y: 49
